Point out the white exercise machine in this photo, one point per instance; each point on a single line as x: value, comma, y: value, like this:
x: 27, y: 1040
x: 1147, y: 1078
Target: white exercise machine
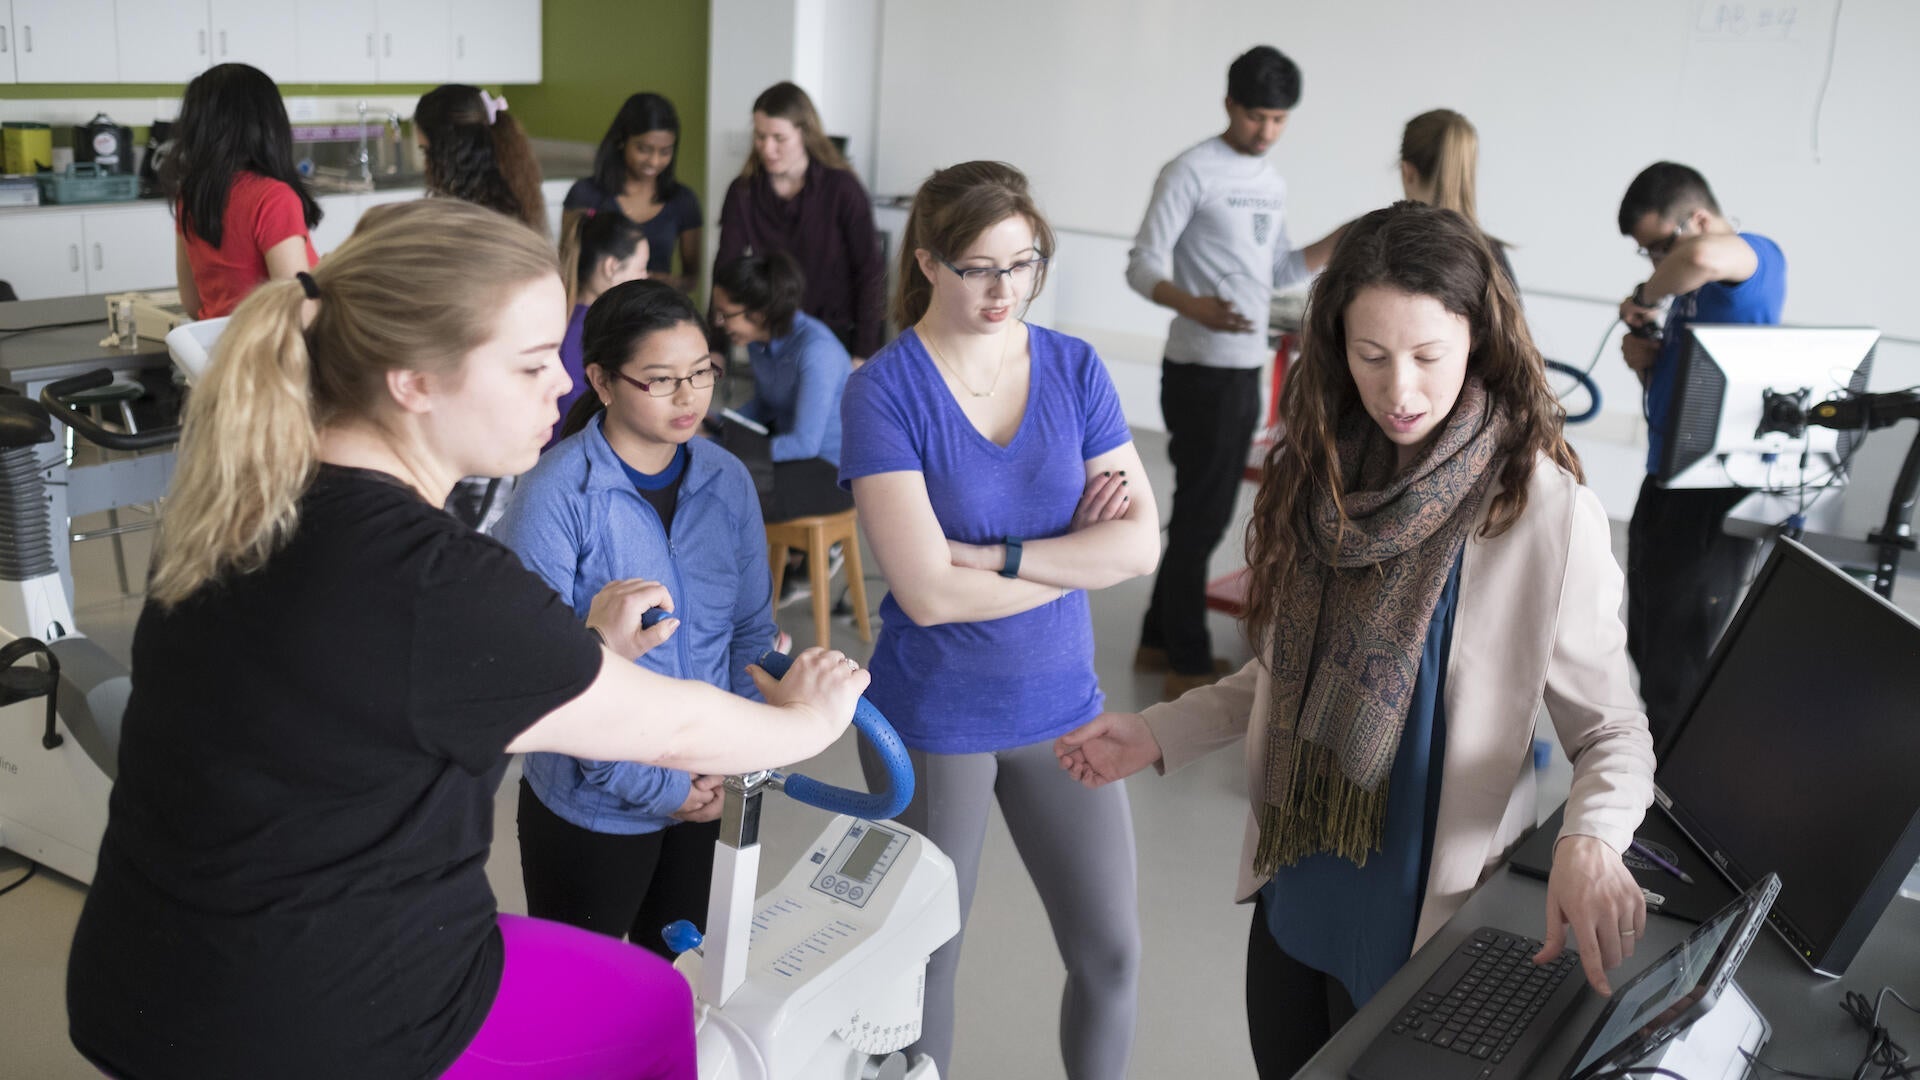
x: 59, y: 713
x: 821, y: 977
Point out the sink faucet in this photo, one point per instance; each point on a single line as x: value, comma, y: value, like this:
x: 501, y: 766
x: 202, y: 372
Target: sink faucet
x: 396, y: 144
x: 361, y: 157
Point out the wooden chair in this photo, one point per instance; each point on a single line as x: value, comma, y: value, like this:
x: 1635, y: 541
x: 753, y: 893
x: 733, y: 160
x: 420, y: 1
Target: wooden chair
x: 816, y: 535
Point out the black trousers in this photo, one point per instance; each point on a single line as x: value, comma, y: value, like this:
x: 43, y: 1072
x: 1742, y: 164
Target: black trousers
x: 1684, y: 576
x: 1211, y: 414
x: 804, y: 488
x: 622, y: 886
x: 1292, y: 1010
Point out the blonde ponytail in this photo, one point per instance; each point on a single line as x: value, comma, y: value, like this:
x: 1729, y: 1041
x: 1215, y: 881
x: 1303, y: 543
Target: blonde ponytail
x: 1444, y: 150
x: 248, y: 449
x: 399, y: 294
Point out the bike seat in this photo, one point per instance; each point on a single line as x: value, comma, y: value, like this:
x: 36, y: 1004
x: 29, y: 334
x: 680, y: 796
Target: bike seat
x: 23, y: 422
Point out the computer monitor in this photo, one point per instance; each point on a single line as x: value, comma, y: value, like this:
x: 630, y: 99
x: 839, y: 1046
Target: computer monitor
x: 1718, y: 435
x: 1801, y: 754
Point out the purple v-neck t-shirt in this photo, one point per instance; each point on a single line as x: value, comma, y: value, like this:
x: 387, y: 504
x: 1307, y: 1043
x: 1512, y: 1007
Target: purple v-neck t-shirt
x: 974, y: 687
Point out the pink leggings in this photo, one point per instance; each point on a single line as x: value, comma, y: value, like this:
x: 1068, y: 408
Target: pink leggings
x: 573, y: 1003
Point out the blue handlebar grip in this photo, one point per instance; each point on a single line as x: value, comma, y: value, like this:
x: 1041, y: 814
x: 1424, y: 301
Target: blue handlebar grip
x: 875, y: 806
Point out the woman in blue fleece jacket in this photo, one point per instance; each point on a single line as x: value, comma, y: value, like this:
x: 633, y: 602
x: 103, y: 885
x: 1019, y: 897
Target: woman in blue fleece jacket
x: 618, y: 847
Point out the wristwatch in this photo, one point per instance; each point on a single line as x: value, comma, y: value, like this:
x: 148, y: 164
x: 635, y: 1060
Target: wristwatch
x: 1012, y: 568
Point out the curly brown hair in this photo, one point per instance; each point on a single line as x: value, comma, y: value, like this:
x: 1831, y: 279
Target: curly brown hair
x: 1423, y: 251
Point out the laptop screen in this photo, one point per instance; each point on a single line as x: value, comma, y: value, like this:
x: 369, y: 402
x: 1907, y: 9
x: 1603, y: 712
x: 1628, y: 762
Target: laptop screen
x: 1662, y: 997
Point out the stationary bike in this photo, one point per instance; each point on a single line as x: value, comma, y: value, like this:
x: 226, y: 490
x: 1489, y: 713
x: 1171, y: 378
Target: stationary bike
x: 822, y: 976
x: 60, y: 711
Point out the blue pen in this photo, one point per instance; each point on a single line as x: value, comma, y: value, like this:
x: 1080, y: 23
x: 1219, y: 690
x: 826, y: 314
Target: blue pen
x: 1647, y: 854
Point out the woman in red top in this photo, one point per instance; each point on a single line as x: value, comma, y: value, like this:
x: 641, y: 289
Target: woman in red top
x: 243, y: 213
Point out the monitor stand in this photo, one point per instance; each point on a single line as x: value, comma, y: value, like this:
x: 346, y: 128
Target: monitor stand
x: 1710, y: 1048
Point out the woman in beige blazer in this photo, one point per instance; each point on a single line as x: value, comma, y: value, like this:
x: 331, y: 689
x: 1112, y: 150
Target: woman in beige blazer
x: 1427, y: 571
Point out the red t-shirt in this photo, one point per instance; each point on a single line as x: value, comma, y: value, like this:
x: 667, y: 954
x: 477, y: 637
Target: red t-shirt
x: 260, y: 213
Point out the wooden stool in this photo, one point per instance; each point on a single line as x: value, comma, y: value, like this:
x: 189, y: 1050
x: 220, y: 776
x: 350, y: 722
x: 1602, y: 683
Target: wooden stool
x: 815, y: 535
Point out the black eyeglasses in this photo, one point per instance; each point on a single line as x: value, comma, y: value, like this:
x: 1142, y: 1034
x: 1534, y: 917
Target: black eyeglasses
x: 1660, y: 249
x: 1020, y: 276
x: 669, y: 385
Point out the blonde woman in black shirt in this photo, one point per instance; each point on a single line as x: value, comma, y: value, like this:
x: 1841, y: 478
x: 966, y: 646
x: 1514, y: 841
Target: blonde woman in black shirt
x: 329, y: 675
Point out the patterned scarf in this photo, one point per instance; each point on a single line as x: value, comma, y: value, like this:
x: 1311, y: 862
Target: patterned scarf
x: 1351, y: 628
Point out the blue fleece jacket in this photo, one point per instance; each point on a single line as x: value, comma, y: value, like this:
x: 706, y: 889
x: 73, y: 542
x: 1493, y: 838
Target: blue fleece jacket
x: 577, y: 521
x: 797, y: 383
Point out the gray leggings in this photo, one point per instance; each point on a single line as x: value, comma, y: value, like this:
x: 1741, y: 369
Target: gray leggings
x: 1078, y: 847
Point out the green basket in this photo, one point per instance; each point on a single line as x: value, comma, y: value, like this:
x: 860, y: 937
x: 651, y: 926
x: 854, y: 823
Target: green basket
x: 87, y: 182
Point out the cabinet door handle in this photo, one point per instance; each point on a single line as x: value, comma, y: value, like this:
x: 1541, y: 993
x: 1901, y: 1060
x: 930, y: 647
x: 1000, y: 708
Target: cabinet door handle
x: 369, y: 44
x: 460, y: 46
x: 28, y: 30
x: 73, y: 257
x: 223, y: 43
x: 203, y: 43
x: 388, y: 44
x: 3, y: 39
x: 99, y: 258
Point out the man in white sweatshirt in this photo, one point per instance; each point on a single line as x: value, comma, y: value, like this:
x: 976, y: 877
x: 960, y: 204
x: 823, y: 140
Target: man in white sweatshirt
x: 1213, y: 248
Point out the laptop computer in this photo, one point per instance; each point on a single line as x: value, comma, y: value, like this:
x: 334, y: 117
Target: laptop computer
x: 1488, y: 1012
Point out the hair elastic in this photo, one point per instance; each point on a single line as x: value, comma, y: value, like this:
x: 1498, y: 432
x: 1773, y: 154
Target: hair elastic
x: 495, y: 105
x: 308, y: 285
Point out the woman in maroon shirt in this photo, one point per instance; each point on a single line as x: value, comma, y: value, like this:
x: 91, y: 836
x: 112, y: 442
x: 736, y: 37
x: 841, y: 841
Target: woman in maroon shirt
x: 798, y: 195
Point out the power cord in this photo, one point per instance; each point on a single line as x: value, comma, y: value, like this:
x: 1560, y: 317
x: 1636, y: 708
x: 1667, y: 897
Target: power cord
x: 32, y: 869
x: 1882, y: 1051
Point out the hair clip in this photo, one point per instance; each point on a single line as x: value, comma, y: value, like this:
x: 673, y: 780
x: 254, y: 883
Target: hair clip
x: 308, y: 285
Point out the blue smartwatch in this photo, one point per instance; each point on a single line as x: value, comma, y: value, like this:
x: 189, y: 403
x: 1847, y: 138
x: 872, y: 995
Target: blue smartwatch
x: 1012, y: 569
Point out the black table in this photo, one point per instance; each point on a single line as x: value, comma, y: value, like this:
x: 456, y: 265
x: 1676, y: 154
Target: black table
x: 30, y: 358
x: 1810, y: 1032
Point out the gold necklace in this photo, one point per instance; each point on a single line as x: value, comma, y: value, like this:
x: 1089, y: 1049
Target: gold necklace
x: 949, y: 368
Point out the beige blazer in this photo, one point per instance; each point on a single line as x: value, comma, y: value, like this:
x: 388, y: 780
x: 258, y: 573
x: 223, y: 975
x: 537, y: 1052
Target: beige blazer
x: 1537, y: 622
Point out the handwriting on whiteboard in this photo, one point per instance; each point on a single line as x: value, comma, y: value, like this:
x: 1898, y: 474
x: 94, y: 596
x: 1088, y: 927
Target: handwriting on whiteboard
x: 1745, y: 22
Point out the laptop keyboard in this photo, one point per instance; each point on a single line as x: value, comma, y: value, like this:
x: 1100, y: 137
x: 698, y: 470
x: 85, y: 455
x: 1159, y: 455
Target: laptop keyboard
x: 1484, y: 1013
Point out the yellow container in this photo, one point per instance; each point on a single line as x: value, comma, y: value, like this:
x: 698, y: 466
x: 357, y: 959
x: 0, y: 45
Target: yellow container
x: 25, y: 147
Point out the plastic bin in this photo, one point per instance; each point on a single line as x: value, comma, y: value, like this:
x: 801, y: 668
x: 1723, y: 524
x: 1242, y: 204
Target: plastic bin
x: 87, y: 182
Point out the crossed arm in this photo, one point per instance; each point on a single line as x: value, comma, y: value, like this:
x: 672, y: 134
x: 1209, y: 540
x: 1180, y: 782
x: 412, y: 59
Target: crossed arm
x: 1115, y: 536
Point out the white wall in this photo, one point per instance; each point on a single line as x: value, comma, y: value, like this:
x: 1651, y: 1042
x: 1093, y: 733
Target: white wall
x: 1091, y: 97
x: 831, y: 48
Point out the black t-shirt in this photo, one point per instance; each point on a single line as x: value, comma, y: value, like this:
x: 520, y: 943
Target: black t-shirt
x: 678, y: 214
x: 292, y: 881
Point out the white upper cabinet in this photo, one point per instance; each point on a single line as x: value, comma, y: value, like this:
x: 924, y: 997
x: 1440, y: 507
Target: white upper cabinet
x: 163, y: 41
x: 64, y: 41
x: 496, y: 41
x: 257, y: 32
x: 336, y: 41
x: 6, y: 41
x: 415, y: 40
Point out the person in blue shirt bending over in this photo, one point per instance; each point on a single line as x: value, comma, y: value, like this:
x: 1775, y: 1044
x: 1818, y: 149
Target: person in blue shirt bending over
x: 1683, y: 571
x: 617, y: 847
x: 997, y: 482
x: 800, y: 370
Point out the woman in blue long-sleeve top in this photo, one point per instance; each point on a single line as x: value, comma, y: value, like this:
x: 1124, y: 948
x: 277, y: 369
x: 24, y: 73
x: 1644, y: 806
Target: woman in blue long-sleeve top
x: 616, y: 847
x: 800, y: 370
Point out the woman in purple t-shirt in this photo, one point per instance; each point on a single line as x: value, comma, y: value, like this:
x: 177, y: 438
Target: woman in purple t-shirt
x: 996, y: 481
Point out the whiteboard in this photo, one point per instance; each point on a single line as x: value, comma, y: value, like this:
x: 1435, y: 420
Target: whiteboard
x: 1572, y: 99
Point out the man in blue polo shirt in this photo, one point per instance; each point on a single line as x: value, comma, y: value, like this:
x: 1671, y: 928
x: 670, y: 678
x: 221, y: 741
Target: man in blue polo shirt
x: 1683, y: 571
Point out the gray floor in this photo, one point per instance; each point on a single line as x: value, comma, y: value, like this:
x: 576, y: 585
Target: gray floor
x: 1188, y: 827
